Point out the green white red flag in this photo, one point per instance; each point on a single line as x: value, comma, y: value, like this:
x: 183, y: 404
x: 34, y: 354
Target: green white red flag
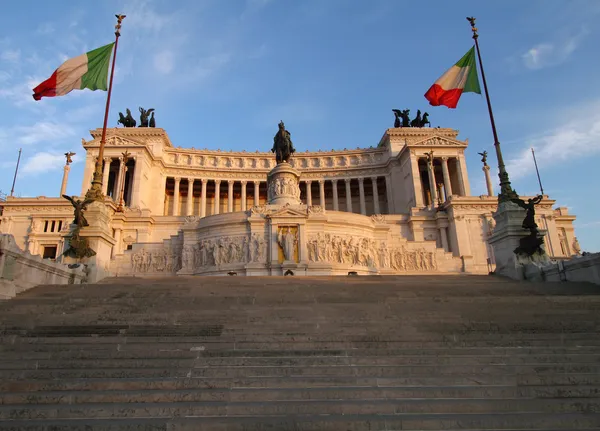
x: 89, y: 70
x: 460, y: 78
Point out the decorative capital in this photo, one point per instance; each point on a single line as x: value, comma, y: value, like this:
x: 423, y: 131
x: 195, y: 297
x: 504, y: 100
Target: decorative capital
x: 347, y: 180
x: 217, y: 182
x: 204, y: 181
x: 361, y: 180
x: 321, y: 182
x: 374, y: 179
x: 177, y: 179
x: 191, y: 180
x: 444, y: 158
x: 243, y: 182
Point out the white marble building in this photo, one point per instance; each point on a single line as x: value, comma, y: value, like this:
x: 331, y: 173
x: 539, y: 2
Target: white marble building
x: 370, y: 210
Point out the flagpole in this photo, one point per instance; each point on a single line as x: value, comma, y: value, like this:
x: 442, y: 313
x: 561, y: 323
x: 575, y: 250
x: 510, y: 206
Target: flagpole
x: 12, y: 191
x: 537, y: 170
x: 506, y: 190
x: 95, y: 191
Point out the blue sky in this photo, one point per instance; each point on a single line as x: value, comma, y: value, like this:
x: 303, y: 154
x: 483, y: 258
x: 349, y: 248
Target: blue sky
x: 221, y: 74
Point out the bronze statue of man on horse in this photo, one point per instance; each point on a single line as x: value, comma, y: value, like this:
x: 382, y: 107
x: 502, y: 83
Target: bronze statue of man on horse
x: 282, y: 145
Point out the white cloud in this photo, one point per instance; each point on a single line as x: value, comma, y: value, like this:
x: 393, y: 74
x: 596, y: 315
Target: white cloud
x: 551, y: 53
x: 141, y: 15
x: 42, y: 131
x: 575, y: 139
x: 43, y: 162
x: 45, y: 29
x: 11, y: 55
x: 164, y: 62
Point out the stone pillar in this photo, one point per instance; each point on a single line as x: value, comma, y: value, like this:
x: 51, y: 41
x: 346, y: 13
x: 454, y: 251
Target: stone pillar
x: 176, y: 197
x: 308, y: 193
x: 164, y: 196
x: 461, y: 183
x: 136, y: 188
x: 348, y: 195
x: 444, y: 237
x: 388, y: 190
x: 203, y: 198
x: 375, y: 196
x: 432, y: 184
x: 230, y: 196
x: 361, y: 192
x: 244, y: 195
x: 190, y: 198
x: 63, y: 186
x: 107, y: 161
x: 488, y: 180
x: 416, y: 178
x: 447, y: 182
x: 256, y: 193
x: 462, y: 163
x: 117, y: 247
x: 217, y: 196
x: 322, y: 193
x: 336, y: 205
x: 120, y: 179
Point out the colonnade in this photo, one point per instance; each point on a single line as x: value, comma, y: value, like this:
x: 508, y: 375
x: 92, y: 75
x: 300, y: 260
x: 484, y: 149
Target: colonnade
x: 202, y: 196
x: 452, y: 179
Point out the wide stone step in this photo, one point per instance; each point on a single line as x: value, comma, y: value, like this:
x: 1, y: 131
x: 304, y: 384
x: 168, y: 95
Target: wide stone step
x: 308, y: 407
x: 197, y: 361
x: 148, y: 351
x: 269, y: 394
x: 410, y: 422
x: 317, y: 370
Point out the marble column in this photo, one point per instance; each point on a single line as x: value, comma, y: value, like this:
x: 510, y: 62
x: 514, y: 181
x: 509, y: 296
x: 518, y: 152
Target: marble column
x: 230, y: 196
x: 488, y: 180
x: 432, y: 184
x: 203, y: 198
x: 308, y: 193
x: 348, y: 195
x: 63, y: 186
x: 256, y: 193
x: 361, y: 193
x: 190, y: 198
x: 176, y: 197
x: 120, y: 179
x: 322, y: 193
x: 105, y: 173
x: 336, y: 205
x: 447, y: 182
x: 244, y: 195
x: 444, y: 238
x: 163, y: 187
x: 217, y: 196
x: 375, y: 196
x: 135, y: 200
x: 388, y: 191
x: 461, y: 182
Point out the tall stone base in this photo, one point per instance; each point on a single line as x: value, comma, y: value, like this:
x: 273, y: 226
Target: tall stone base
x: 507, y: 237
x: 282, y: 185
x: 100, y: 238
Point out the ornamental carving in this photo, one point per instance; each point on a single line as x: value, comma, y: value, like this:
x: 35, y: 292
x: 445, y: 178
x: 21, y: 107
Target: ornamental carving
x: 356, y: 251
x: 283, y: 186
x: 378, y: 218
x: 223, y: 251
x: 315, y: 209
x: 163, y: 260
x: 191, y: 219
x: 260, y: 210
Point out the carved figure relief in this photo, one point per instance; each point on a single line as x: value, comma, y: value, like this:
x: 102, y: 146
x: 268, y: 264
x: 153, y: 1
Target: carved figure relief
x: 365, y: 252
x: 283, y: 187
x: 163, y: 260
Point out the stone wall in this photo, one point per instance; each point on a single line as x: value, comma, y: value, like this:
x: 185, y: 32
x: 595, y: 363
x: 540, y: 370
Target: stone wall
x: 581, y: 268
x: 20, y: 270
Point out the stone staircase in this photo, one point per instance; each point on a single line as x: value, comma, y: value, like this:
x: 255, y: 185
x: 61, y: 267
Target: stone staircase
x: 294, y: 353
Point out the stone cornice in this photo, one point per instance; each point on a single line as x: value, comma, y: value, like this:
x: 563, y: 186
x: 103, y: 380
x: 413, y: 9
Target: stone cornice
x: 132, y: 133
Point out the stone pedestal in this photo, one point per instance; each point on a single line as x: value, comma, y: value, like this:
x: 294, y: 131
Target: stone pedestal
x: 507, y: 237
x: 282, y: 185
x: 99, y: 236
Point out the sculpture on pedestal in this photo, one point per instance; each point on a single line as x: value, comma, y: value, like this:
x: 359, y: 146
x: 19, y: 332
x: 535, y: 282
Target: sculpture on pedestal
x: 144, y: 115
x: 397, y: 114
x: 484, y: 157
x: 126, y: 120
x: 402, y: 119
x: 282, y: 145
x: 69, y: 156
x: 531, y: 244
x: 78, y: 247
x: 287, y: 241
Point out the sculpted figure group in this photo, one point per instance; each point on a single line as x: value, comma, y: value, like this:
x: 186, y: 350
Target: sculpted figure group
x: 284, y: 186
x: 163, y: 260
x: 364, y: 252
x: 402, y: 119
x: 224, y: 250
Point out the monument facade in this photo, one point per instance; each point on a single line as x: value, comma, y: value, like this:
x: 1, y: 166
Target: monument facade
x: 404, y: 206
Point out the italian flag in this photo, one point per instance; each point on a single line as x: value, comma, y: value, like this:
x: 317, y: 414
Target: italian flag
x: 460, y: 78
x: 88, y: 70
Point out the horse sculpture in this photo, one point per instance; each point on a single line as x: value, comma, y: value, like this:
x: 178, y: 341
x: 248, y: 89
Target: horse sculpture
x: 282, y: 145
x: 126, y: 120
x: 144, y: 115
x: 417, y: 121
